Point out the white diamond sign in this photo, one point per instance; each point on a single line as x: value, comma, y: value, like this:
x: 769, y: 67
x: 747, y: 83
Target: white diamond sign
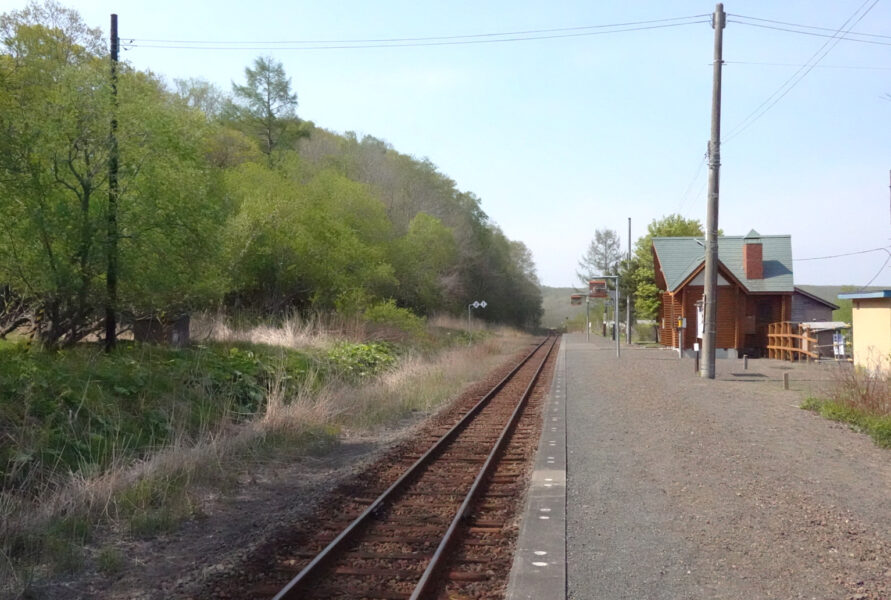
x: 475, y: 305
x: 483, y: 303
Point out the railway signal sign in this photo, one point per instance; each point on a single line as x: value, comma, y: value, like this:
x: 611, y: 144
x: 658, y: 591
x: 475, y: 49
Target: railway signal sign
x: 475, y: 304
x: 575, y: 300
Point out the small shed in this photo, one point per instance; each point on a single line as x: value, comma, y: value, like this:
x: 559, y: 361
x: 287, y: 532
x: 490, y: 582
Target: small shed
x: 871, y: 318
x: 826, y: 332
x: 810, y: 307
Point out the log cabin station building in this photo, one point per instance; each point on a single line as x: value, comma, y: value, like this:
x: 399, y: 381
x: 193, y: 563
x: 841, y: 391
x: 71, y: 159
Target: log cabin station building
x: 755, y: 289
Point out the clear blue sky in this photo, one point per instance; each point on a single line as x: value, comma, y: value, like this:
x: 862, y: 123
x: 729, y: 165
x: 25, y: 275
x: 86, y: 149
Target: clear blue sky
x: 560, y: 137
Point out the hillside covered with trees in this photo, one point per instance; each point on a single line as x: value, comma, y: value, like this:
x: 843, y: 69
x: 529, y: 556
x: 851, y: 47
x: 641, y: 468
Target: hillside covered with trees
x: 226, y: 199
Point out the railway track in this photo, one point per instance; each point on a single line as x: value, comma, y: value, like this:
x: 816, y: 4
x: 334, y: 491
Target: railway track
x: 440, y: 528
x: 398, y: 546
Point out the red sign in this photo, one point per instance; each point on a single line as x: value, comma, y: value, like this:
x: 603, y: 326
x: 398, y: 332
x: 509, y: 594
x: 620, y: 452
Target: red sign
x: 575, y: 299
x: 597, y: 288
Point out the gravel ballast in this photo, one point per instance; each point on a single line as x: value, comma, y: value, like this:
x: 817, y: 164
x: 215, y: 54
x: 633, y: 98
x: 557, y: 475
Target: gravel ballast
x: 681, y: 487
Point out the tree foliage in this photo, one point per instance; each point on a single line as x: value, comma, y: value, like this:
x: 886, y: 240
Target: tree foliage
x: 222, y: 199
x: 641, y: 271
x: 265, y: 105
x: 602, y: 257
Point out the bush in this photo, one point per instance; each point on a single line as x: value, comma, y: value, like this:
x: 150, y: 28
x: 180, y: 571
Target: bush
x: 79, y: 409
x: 390, y: 315
x: 359, y: 361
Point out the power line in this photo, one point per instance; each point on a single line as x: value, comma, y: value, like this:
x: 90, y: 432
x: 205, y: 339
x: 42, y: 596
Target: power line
x: 427, y: 38
x: 845, y: 254
x: 802, y: 26
x: 776, y: 64
x: 802, y: 72
x: 879, y: 272
x: 685, y: 196
x: 484, y: 38
x: 846, y: 37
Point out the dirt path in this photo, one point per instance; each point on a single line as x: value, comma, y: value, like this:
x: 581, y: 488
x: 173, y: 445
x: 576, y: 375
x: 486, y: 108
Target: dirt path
x: 687, y: 488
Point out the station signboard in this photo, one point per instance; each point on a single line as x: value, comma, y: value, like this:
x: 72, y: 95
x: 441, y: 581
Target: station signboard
x: 597, y: 288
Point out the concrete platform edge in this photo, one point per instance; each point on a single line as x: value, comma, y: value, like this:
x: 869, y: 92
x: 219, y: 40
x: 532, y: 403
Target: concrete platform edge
x: 539, y: 567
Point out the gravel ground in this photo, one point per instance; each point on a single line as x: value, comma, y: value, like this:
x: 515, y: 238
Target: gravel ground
x: 680, y: 487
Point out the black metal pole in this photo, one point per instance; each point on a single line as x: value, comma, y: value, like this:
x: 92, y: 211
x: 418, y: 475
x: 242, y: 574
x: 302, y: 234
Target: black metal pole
x: 111, y: 280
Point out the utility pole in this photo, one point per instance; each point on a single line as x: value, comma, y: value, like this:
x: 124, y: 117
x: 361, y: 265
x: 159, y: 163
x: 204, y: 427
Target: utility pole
x: 628, y: 298
x: 111, y: 279
x: 711, y: 234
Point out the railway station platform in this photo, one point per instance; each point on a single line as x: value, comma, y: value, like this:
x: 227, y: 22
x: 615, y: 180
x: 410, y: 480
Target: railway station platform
x: 651, y: 482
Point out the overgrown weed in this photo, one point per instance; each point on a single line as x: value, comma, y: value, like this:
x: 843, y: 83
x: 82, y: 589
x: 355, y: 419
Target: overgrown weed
x: 76, y: 464
x: 860, y: 398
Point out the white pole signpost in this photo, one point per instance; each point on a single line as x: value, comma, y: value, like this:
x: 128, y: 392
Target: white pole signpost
x: 474, y: 304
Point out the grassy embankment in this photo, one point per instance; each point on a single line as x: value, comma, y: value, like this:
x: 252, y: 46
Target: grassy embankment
x: 129, y: 441
x: 860, y: 399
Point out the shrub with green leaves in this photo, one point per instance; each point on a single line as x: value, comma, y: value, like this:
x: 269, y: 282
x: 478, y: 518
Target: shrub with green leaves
x: 77, y: 410
x: 359, y: 361
x: 390, y: 315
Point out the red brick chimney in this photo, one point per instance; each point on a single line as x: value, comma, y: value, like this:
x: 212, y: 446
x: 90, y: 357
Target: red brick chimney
x: 753, y: 263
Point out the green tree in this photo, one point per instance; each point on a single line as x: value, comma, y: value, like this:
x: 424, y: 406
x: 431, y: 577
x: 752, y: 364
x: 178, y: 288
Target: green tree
x: 423, y: 260
x: 55, y: 110
x: 173, y: 207
x: 201, y: 95
x: 602, y: 256
x: 322, y: 244
x: 265, y: 105
x: 641, y: 271
x: 52, y: 156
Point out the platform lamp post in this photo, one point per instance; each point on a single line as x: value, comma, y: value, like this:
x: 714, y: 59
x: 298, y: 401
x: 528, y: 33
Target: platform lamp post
x: 474, y: 304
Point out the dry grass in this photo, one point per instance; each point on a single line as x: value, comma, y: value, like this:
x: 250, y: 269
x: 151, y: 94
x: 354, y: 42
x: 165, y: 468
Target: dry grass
x: 317, y: 331
x: 152, y: 495
x: 860, y: 398
x: 862, y: 390
x: 149, y: 496
x: 419, y: 384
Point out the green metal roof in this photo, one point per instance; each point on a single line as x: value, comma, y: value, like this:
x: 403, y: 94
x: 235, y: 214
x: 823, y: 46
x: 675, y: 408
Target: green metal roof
x: 866, y: 295
x: 679, y: 257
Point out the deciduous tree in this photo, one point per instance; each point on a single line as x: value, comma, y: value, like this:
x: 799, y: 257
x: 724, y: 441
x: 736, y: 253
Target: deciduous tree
x: 55, y: 110
x: 641, y: 269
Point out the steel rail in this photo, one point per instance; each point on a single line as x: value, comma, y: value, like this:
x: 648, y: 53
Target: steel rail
x: 435, y: 563
x: 322, y: 557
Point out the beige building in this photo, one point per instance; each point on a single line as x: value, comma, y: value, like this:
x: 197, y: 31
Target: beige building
x: 872, y: 329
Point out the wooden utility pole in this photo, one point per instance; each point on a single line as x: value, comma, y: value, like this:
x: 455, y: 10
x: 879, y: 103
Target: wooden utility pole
x: 111, y: 278
x: 628, y: 298
x: 710, y: 295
